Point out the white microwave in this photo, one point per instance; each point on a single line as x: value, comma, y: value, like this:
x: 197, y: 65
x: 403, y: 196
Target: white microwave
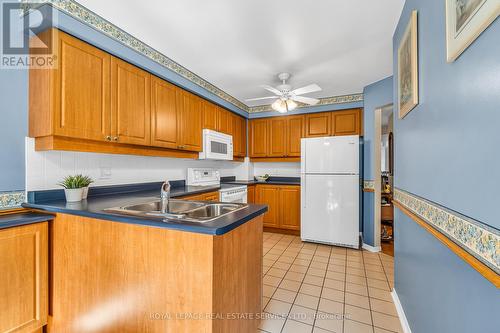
x: 216, y: 146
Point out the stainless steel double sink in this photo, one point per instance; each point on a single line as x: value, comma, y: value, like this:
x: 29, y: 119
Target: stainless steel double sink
x: 182, y: 210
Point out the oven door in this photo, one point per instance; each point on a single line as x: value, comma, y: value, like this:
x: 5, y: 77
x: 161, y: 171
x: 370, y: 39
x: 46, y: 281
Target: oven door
x: 239, y: 197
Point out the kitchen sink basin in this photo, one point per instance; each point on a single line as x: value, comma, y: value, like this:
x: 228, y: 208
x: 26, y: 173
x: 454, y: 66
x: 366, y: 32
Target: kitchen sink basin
x: 182, y: 210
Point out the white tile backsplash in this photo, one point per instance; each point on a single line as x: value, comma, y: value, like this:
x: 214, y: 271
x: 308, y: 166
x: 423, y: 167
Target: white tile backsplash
x: 44, y: 169
x: 284, y: 169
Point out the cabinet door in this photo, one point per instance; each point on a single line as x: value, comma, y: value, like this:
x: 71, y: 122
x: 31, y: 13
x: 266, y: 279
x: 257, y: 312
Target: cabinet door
x: 243, y: 133
x: 277, y: 137
x: 346, y: 122
x: 251, y: 194
x: 258, y: 138
x: 212, y: 196
x: 236, y: 133
x: 290, y: 207
x: 269, y: 195
x: 130, y: 103
x: 295, y: 131
x: 82, y: 106
x: 210, y: 116
x: 24, y: 278
x: 190, y: 118
x: 318, y: 124
x: 164, y: 115
x: 225, y: 121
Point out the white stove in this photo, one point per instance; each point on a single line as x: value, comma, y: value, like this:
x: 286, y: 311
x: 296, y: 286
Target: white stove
x: 211, y: 177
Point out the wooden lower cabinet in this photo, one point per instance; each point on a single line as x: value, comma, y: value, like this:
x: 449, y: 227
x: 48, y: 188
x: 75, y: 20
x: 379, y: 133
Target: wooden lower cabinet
x: 251, y: 194
x: 121, y: 277
x: 283, y: 205
x: 24, y: 278
x: 210, y: 196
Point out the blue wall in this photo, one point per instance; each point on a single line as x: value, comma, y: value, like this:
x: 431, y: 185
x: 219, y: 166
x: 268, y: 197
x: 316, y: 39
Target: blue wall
x: 447, y: 151
x: 376, y: 95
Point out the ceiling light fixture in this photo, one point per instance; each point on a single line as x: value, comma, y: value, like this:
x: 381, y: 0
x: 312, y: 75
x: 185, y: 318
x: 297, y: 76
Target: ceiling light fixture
x: 283, y: 106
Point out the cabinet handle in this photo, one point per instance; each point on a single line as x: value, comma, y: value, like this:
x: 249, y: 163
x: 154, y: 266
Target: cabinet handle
x: 107, y: 137
x: 181, y: 147
x: 116, y: 138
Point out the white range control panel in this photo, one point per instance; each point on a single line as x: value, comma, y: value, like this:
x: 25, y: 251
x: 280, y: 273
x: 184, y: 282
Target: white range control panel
x: 202, y: 176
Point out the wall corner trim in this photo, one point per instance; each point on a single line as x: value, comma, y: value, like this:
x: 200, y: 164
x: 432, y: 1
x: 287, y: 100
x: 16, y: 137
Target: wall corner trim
x: 401, y: 313
x: 371, y: 248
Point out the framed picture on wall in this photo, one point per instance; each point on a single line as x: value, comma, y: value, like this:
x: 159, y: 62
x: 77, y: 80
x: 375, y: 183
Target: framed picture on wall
x: 465, y: 21
x: 408, y: 68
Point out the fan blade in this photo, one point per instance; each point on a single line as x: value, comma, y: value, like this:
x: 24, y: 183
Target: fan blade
x: 259, y: 98
x: 306, y: 90
x: 305, y: 100
x: 272, y: 89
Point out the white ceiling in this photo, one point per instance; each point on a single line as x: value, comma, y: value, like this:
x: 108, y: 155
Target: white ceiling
x: 239, y: 45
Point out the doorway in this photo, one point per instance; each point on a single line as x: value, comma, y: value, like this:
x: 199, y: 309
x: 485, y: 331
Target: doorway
x: 384, y: 175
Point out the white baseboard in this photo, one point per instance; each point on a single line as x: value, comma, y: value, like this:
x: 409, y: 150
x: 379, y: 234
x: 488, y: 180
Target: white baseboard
x: 371, y: 248
x: 401, y: 313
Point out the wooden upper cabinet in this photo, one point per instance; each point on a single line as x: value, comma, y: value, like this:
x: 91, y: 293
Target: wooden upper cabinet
x: 190, y: 121
x: 346, y: 122
x: 295, y: 131
x: 130, y: 103
x: 164, y: 115
x: 277, y: 138
x: 258, y: 141
x: 269, y: 195
x: 318, y: 124
x: 239, y: 135
x: 290, y: 207
x: 81, y: 92
x: 210, y: 116
x: 225, y: 121
x: 24, y: 281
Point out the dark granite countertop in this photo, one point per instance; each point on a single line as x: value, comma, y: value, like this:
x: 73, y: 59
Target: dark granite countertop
x: 101, y: 198
x: 19, y: 219
x: 271, y: 181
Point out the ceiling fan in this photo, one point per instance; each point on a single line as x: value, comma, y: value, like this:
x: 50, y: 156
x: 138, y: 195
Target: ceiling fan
x: 286, y: 97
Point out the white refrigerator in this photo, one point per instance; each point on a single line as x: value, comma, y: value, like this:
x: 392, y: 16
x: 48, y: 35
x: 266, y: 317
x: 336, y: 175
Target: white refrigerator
x: 330, y: 185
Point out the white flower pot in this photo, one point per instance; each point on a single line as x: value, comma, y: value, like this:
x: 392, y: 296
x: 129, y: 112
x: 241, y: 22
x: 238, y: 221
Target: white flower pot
x: 74, y: 194
x: 85, y: 192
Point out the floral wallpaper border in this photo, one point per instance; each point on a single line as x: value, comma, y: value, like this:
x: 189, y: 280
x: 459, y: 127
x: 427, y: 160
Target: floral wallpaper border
x: 85, y: 15
x: 9, y: 200
x: 478, y: 239
x: 369, y: 185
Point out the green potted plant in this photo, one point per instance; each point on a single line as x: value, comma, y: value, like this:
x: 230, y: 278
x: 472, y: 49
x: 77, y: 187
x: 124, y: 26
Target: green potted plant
x: 86, y: 182
x: 74, y: 187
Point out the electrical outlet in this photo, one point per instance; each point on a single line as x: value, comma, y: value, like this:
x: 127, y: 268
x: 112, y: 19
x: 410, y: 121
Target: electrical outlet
x: 105, y: 173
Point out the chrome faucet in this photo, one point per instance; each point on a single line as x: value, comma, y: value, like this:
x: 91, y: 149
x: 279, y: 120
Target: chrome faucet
x: 165, y: 196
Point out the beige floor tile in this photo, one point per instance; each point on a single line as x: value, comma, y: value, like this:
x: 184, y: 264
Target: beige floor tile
x: 386, y: 322
x: 292, y: 326
x: 372, y: 283
x: 307, y: 301
x: 334, y: 284
x: 330, y: 322
x: 268, y: 262
x: 302, y: 262
x: 336, y: 268
x: 356, y: 289
x: 294, y: 276
x: 277, y: 272
x: 314, y: 280
x: 271, y: 280
x: 320, y: 330
x: 286, y: 260
x: 356, y: 327
x: 355, y: 271
x: 310, y: 289
x: 298, y: 269
x: 380, y: 294
x: 380, y: 330
x: 275, y: 251
x: 272, y: 324
x: 356, y: 313
x: 320, y: 258
x: 329, y: 306
x: 358, y: 259
x: 281, y: 265
x: 332, y: 294
x: 268, y: 291
x: 316, y: 272
x: 335, y: 276
x: 305, y: 256
x: 383, y: 307
x: 284, y: 295
x: 302, y: 314
x: 278, y: 308
x: 358, y: 265
x: 376, y: 275
x: 271, y: 256
x: 374, y: 268
x: 265, y: 300
x: 290, y: 285
x: 356, y: 279
x: 357, y: 300
x: 320, y: 265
